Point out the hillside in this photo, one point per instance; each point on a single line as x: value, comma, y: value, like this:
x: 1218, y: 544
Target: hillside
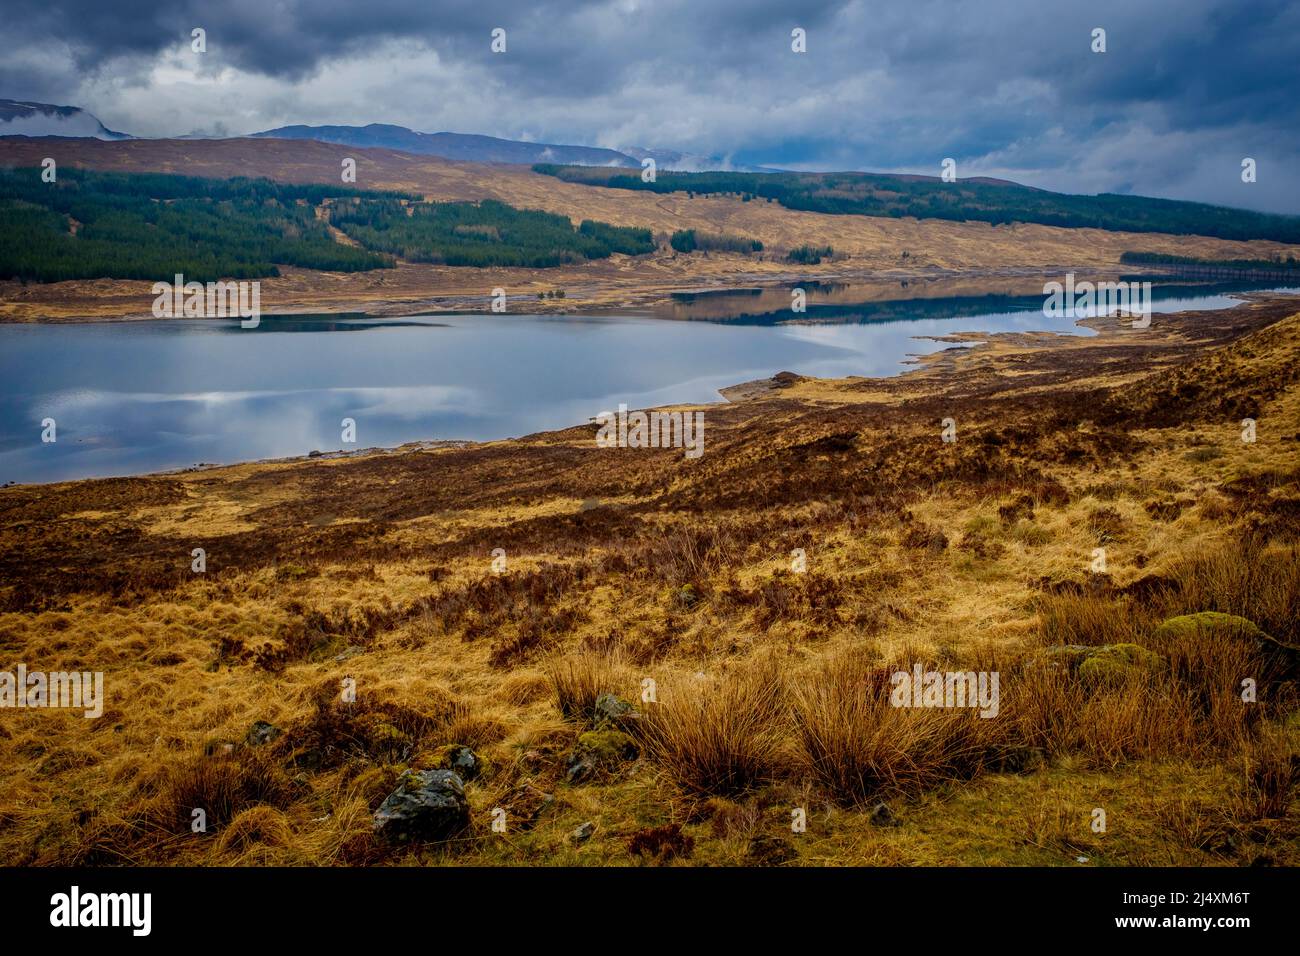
x: 975, y: 200
x: 622, y: 566
x: 866, y: 248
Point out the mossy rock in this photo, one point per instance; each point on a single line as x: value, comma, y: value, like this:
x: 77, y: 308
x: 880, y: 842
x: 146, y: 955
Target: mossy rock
x: 1283, y: 659
x: 606, y: 748
x: 1116, y: 663
x: 1209, y: 623
x: 467, y: 764
x: 426, y: 806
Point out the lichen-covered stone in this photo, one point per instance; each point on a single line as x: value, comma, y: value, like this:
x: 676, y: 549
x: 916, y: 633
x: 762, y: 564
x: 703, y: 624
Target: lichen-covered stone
x: 428, y: 805
x: 612, y: 710
x: 599, y: 751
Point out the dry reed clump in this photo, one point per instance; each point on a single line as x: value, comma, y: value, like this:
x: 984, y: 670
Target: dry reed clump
x: 1249, y: 578
x: 222, y: 785
x: 1167, y: 691
x: 686, y: 555
x: 1092, y: 619
x: 857, y: 745
x: 722, y: 735
x: 1134, y: 713
x: 577, y: 680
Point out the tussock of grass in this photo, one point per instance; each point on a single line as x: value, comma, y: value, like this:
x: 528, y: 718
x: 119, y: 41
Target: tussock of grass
x: 858, y: 746
x: 720, y: 735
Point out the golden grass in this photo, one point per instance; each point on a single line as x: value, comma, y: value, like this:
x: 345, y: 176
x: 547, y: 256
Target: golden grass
x: 771, y: 683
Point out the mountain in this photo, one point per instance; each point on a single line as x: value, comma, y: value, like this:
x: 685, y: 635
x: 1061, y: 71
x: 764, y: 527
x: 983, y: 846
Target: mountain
x: 489, y: 149
x: 19, y: 118
x: 462, y: 146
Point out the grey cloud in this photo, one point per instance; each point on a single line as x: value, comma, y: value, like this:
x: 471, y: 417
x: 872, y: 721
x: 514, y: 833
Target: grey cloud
x: 885, y: 84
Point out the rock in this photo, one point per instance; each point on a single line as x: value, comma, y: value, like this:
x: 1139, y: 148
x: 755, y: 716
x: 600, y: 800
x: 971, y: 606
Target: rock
x: 607, y: 747
x: 1209, y: 623
x: 1284, y: 658
x: 583, y: 833
x: 428, y: 805
x: 458, y: 758
x: 525, y: 803
x: 599, y: 750
x: 579, y: 769
x: 1116, y: 663
x: 612, y: 710
x: 261, y: 733
x: 309, y: 758
x: 882, y: 816
x: 770, y: 851
x: 1100, y: 663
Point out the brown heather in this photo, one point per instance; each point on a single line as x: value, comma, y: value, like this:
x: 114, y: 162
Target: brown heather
x: 772, y: 685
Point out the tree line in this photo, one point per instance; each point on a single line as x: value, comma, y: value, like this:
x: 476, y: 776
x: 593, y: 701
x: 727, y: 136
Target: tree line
x: 90, y: 224
x: 873, y: 194
x: 151, y: 226
x: 483, y: 234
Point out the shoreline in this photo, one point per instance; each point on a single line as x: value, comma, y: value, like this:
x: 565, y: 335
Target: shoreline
x: 964, y: 348
x: 604, y: 299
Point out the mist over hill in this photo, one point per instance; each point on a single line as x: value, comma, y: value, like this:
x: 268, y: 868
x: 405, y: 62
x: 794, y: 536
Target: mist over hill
x: 18, y: 118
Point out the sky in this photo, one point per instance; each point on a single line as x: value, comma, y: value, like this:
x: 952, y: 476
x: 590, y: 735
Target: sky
x: 1184, y: 92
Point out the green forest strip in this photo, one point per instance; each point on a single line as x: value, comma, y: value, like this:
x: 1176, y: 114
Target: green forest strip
x: 872, y: 194
x: 90, y: 225
x: 1288, y: 264
x: 151, y: 226
x: 484, y: 234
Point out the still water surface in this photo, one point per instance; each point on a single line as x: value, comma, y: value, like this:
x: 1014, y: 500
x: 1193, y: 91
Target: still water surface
x: 137, y: 397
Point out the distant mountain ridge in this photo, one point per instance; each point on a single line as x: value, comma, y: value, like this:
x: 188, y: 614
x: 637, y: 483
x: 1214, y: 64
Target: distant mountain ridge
x: 22, y: 118
x: 473, y: 148
x: 467, y: 147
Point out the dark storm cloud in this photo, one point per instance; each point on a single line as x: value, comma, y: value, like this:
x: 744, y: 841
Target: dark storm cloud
x: 1185, y: 89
